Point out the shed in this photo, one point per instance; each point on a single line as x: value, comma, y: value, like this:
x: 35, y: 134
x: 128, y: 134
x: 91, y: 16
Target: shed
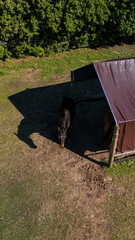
x: 117, y: 79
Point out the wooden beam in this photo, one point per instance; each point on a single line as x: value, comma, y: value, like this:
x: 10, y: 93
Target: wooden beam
x: 125, y: 153
x: 113, y: 145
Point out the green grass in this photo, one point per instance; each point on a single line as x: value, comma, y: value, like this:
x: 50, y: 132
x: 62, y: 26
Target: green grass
x: 121, y: 210
x: 33, y: 204
x: 66, y: 61
x: 121, y: 206
x: 123, y: 169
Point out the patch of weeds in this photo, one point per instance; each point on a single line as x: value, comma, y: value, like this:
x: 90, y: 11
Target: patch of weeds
x: 123, y: 169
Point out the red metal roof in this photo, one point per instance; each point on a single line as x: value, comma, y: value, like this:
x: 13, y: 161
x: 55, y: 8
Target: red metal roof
x: 118, y: 82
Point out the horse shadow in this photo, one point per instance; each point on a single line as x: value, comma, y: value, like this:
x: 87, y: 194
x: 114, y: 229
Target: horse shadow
x: 40, y: 107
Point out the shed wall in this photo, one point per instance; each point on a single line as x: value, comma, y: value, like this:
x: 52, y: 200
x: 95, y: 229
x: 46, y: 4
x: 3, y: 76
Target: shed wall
x: 126, y: 139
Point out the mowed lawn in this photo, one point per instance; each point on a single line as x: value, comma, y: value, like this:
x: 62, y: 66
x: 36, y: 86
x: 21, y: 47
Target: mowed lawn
x: 47, y: 193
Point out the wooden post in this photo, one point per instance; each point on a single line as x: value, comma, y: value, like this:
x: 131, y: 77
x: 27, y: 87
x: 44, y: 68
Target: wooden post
x: 113, y: 145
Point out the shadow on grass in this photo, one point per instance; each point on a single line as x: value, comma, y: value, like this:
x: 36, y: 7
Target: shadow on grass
x: 40, y: 107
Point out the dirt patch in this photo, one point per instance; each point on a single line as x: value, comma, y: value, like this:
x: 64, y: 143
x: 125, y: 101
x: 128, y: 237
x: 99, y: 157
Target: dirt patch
x: 31, y: 73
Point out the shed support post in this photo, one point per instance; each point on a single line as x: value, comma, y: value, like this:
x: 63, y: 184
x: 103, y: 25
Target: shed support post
x: 113, y: 145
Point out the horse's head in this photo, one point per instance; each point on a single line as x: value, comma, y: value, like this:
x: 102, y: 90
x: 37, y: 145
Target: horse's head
x: 62, y: 135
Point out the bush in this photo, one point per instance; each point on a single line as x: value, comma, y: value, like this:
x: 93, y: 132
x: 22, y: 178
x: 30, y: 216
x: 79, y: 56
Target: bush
x: 4, y: 53
x: 32, y: 27
x: 1, y: 52
x: 37, y: 51
x: 121, y: 19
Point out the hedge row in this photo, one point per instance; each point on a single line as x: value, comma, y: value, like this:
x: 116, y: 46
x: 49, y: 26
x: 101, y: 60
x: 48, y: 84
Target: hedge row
x: 35, y: 27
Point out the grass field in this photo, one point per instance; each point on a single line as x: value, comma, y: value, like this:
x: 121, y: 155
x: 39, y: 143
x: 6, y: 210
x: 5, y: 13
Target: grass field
x: 47, y: 193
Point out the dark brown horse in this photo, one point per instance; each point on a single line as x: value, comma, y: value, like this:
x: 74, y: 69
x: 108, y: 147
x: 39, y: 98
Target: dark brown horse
x: 66, y: 115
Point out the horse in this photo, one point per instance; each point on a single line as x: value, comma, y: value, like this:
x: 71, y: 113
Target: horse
x: 66, y: 115
x: 108, y: 128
